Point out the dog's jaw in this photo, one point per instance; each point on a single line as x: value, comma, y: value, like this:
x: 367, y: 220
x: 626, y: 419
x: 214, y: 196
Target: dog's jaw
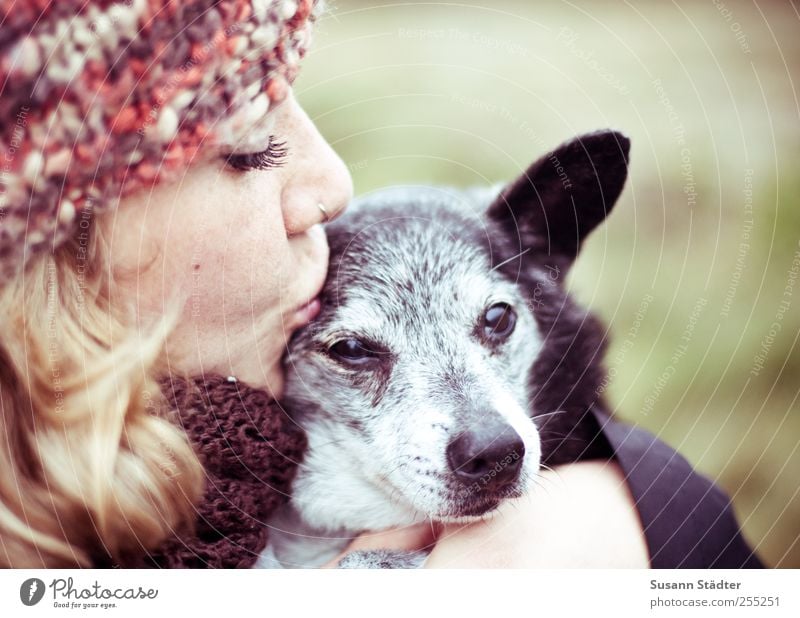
x: 333, y: 500
x: 334, y: 494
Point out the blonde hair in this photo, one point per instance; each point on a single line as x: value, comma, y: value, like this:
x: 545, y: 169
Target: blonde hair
x: 91, y: 466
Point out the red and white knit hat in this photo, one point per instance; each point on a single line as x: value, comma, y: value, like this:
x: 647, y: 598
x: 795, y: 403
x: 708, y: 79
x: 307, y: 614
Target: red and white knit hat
x: 101, y: 98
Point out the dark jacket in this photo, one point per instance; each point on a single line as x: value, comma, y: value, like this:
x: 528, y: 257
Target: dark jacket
x: 688, y: 521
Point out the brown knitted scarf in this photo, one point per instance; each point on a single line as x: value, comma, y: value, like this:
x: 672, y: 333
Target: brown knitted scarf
x: 249, y: 448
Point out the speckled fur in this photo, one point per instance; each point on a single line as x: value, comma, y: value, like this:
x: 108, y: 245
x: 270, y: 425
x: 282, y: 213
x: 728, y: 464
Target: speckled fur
x: 412, y: 271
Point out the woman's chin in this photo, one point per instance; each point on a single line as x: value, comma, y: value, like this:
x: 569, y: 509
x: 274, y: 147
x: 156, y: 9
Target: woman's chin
x: 274, y: 381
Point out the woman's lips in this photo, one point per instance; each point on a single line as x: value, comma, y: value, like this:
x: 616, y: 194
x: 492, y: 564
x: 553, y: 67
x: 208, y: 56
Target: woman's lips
x: 308, y: 310
x: 304, y: 313
x: 312, y: 248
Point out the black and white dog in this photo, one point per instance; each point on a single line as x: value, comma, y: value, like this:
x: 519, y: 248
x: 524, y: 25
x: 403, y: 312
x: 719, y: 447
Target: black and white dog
x: 448, y: 362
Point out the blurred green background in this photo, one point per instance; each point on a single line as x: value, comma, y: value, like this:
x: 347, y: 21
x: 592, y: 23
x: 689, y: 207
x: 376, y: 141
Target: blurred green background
x: 691, y: 270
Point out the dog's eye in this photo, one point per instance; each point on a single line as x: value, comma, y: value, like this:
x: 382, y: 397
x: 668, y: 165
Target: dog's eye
x: 499, y: 321
x: 351, y: 352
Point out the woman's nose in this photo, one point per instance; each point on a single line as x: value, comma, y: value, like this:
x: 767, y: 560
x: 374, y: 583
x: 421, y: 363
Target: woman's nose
x: 318, y: 185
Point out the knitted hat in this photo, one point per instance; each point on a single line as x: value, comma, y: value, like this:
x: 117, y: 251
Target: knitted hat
x: 101, y: 98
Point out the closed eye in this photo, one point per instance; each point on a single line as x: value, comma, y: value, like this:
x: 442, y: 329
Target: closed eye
x: 355, y: 353
x: 274, y: 155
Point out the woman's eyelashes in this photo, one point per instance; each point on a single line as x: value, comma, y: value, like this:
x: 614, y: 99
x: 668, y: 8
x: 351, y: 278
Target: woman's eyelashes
x: 273, y: 156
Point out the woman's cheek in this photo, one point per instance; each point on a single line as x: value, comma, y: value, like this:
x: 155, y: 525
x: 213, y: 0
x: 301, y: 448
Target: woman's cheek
x: 312, y: 249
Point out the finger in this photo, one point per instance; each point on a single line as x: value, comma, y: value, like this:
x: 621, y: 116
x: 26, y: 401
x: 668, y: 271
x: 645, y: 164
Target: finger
x: 410, y: 538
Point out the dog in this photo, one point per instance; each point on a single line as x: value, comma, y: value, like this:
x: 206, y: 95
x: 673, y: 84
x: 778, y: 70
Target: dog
x: 448, y: 363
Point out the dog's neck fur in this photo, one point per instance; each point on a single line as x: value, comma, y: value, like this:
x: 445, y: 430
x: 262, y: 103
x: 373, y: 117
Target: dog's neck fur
x: 323, y: 518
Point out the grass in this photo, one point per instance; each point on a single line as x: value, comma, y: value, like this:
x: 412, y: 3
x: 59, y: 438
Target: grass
x: 465, y: 94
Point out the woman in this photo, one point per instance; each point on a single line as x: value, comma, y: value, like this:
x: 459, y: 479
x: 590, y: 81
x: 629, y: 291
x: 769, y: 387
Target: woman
x: 162, y: 200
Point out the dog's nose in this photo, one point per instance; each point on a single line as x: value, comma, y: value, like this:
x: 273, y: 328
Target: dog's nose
x: 489, y: 453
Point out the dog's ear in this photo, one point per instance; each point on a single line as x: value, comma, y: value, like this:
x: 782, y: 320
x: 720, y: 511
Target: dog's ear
x: 564, y: 195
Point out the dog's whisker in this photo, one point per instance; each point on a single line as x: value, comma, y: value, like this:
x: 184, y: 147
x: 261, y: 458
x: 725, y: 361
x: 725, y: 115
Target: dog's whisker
x: 561, y: 439
x: 545, y: 487
x: 547, y: 414
x: 543, y: 480
x: 511, y: 259
x: 549, y: 469
x: 546, y: 467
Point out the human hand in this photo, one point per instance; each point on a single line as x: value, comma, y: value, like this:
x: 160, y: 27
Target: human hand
x: 581, y: 515
x: 409, y: 538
